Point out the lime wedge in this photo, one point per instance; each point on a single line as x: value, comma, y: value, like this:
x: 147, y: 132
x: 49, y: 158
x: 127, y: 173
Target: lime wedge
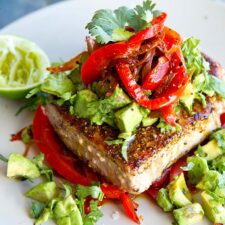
x: 22, y: 66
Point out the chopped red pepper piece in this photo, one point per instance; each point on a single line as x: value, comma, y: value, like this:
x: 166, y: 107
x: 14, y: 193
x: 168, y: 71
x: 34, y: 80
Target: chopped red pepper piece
x: 45, y: 139
x: 155, y: 76
x: 222, y: 119
x: 129, y: 207
x: 163, y: 180
x: 176, y: 167
x: 110, y: 191
x: 153, y: 192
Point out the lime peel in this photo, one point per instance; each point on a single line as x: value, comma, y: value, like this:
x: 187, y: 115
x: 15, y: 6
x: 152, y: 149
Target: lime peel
x: 22, y: 66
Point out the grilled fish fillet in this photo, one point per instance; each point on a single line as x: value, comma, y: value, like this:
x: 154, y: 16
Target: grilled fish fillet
x: 148, y: 155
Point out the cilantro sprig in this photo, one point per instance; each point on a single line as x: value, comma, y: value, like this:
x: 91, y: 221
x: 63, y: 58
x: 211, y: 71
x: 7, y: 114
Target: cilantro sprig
x: 108, y: 25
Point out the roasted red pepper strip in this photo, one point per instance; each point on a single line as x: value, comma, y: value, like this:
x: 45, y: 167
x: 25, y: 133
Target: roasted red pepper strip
x: 129, y: 207
x: 222, y: 119
x: 100, y: 58
x: 110, y: 191
x: 45, y: 139
x: 155, y: 76
x: 153, y: 192
x: 138, y: 93
x: 163, y: 180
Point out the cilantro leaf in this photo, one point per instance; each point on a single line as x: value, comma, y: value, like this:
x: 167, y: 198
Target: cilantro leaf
x: 108, y: 25
x: 44, y: 170
x: 94, y: 191
x: 36, y: 209
x: 94, y: 215
x: 3, y: 158
x: 120, y: 34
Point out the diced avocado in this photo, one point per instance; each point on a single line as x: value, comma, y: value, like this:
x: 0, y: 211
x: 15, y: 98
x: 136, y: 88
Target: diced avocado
x: 19, y: 166
x: 210, y: 150
x: 163, y: 200
x: 199, y: 168
x: 189, y: 214
x: 148, y: 121
x: 214, y: 210
x: 219, y: 163
x: 209, y: 181
x: 45, y: 216
x: 82, y: 99
x: 188, y: 97
x: 178, y: 192
x: 118, y: 99
x: 67, y: 208
x: 128, y: 118
x: 43, y: 192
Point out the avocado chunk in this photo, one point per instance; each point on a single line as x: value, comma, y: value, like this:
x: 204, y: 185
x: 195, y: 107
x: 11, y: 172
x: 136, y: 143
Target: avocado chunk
x: 148, y: 121
x: 43, y: 192
x: 214, y: 210
x: 67, y: 211
x: 21, y: 167
x: 209, y: 181
x: 210, y: 151
x: 188, y: 97
x: 128, y: 118
x: 198, y: 169
x: 80, y: 105
x: 178, y: 192
x: 219, y: 163
x: 189, y: 214
x: 163, y: 200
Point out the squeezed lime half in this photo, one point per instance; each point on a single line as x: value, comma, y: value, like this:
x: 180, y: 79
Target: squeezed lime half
x: 22, y: 66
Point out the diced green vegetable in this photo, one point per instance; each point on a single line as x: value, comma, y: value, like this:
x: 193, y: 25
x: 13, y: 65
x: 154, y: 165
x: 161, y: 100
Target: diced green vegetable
x: 219, y: 137
x: 128, y: 118
x: 214, y: 210
x: 210, y: 181
x: 209, y: 151
x: 197, y: 167
x: 21, y: 167
x: 178, y: 192
x: 43, y: 192
x: 163, y: 200
x: 189, y: 214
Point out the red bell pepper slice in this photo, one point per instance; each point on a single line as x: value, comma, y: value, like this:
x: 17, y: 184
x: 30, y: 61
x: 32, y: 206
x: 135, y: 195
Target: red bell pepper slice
x: 155, y: 76
x: 46, y: 140
x: 153, y: 192
x: 222, y: 119
x: 129, y: 207
x: 101, y: 58
x: 138, y: 93
x: 163, y: 180
x: 110, y: 191
x: 176, y: 167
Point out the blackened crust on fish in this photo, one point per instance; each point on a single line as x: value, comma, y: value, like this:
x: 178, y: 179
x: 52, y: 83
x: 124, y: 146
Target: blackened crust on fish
x: 149, y: 154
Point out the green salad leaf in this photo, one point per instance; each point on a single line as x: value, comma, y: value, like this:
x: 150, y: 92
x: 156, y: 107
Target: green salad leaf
x: 3, y: 158
x: 36, y: 209
x: 219, y: 136
x: 108, y: 25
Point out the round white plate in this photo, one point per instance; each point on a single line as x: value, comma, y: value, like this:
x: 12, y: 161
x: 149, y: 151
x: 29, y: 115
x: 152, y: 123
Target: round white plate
x: 59, y: 30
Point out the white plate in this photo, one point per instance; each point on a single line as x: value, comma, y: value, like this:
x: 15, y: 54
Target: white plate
x: 59, y: 30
